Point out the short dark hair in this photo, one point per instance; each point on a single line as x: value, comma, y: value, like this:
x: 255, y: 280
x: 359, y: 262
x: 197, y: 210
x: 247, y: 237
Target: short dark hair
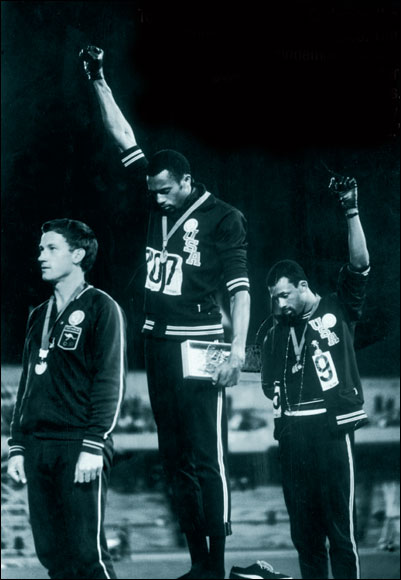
x: 285, y: 269
x: 78, y: 235
x: 176, y: 163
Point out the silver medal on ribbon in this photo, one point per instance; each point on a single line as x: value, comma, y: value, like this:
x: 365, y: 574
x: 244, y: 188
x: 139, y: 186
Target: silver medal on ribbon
x: 41, y: 366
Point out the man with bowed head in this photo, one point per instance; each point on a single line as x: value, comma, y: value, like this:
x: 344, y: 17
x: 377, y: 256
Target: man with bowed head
x: 310, y: 372
x: 195, y: 241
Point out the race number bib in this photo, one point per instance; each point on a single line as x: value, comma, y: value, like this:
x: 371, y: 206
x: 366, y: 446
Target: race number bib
x: 164, y: 275
x: 325, y: 370
x: 277, y: 400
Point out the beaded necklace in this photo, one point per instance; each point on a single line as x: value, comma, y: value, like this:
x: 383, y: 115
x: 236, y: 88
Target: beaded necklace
x: 297, y: 352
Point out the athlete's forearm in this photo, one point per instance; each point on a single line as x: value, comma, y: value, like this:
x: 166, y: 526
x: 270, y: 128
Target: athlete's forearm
x: 240, y: 313
x: 109, y: 371
x: 346, y: 190
x: 358, y: 251
x: 228, y: 374
x: 114, y: 121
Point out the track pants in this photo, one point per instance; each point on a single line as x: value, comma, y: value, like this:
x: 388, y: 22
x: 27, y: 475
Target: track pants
x: 319, y: 487
x: 192, y: 430
x: 67, y: 517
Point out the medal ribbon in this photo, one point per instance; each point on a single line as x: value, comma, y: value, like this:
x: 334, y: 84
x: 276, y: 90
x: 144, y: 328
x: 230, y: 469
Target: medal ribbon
x: 299, y: 346
x: 167, y: 235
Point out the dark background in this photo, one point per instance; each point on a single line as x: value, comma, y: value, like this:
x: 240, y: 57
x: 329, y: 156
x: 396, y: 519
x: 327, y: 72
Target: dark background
x: 261, y: 102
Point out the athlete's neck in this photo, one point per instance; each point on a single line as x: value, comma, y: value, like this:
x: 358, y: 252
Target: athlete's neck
x: 188, y: 201
x: 65, y: 288
x: 310, y: 304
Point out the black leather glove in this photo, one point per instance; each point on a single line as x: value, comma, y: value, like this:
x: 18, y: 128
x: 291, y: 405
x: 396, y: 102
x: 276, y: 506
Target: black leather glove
x: 346, y: 190
x: 92, y: 58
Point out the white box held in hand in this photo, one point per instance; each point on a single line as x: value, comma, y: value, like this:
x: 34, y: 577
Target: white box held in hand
x: 200, y: 358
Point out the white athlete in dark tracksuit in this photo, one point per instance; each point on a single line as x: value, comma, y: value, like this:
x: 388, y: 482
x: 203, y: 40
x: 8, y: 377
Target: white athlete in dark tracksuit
x: 69, y: 397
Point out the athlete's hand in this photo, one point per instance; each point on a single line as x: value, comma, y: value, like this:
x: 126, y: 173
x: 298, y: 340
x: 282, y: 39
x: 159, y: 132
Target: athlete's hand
x: 228, y: 374
x: 88, y: 467
x: 346, y: 189
x: 15, y: 468
x: 92, y: 59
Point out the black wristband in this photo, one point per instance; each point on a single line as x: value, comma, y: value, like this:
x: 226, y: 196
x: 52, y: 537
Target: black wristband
x: 95, y: 76
x: 351, y: 215
x: 361, y: 270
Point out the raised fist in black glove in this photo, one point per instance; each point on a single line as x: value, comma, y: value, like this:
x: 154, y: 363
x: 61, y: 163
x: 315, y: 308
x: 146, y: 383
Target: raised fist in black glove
x: 346, y: 190
x: 92, y: 58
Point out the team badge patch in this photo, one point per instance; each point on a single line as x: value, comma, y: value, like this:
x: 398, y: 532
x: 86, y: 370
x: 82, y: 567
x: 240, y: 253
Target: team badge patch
x: 76, y: 317
x: 323, y: 326
x: 191, y: 225
x: 191, y: 243
x: 329, y: 320
x: 69, y: 337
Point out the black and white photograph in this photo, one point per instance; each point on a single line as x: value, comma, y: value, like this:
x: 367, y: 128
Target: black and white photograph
x: 200, y: 289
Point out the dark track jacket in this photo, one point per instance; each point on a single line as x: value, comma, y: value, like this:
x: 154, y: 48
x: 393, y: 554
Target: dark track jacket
x: 207, y: 249
x: 333, y: 374
x: 80, y: 393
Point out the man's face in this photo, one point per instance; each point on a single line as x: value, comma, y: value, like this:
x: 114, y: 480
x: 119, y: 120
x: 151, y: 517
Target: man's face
x: 56, y: 259
x: 169, y: 193
x: 288, y: 300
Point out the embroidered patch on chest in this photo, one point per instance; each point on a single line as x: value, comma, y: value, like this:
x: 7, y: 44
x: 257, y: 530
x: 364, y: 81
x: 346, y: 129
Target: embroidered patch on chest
x: 323, y: 327
x: 76, y: 317
x: 69, y: 337
x: 191, y: 243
